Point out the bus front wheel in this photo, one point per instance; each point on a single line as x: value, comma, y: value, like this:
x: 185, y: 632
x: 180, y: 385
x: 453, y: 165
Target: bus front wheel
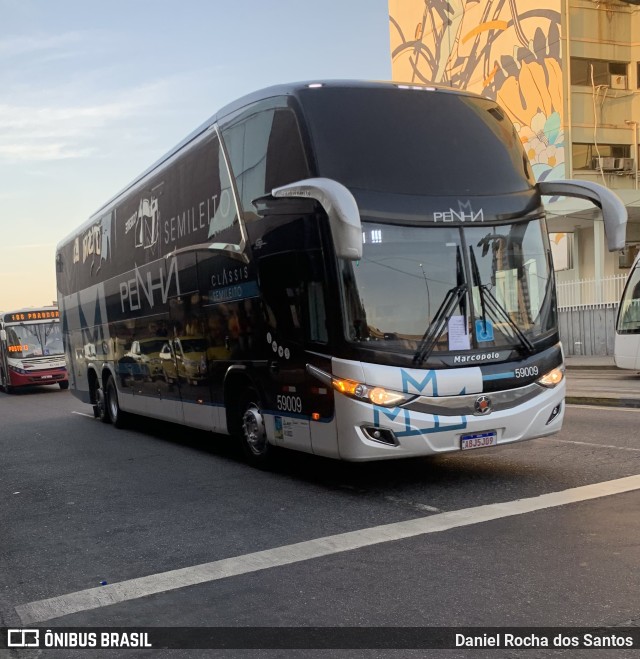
x: 253, y: 435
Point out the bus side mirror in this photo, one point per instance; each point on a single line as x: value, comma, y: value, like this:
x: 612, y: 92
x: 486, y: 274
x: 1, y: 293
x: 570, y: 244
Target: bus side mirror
x: 3, y: 335
x: 614, y: 212
x: 341, y: 208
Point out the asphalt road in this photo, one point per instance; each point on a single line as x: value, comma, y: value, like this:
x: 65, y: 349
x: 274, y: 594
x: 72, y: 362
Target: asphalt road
x: 84, y: 506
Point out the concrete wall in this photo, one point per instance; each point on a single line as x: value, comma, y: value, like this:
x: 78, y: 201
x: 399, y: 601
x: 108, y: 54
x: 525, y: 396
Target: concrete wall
x: 588, y: 331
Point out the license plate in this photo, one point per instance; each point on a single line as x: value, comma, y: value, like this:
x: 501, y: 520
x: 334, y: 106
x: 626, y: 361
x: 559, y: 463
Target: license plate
x: 479, y: 440
x: 46, y: 377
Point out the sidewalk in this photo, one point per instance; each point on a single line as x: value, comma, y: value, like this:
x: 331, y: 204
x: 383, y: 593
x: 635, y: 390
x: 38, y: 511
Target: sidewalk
x: 598, y: 381
x: 593, y: 362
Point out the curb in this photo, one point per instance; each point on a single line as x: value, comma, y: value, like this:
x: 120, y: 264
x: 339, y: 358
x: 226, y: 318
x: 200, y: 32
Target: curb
x: 594, y: 367
x: 605, y: 402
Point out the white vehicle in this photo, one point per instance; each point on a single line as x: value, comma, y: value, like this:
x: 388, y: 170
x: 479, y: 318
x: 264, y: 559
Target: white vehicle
x: 31, y: 349
x: 145, y: 355
x: 627, y: 342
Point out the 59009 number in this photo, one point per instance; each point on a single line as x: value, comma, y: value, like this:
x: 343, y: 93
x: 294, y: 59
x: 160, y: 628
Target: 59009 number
x: 289, y: 403
x: 526, y: 371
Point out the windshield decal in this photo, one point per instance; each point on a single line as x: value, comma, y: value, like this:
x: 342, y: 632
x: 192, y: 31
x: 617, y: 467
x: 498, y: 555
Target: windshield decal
x: 484, y: 330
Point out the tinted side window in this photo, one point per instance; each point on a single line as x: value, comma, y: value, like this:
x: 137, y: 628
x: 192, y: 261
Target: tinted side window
x: 265, y: 150
x: 286, y: 159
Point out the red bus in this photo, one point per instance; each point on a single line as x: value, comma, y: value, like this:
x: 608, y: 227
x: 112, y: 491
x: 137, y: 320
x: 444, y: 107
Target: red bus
x: 31, y: 349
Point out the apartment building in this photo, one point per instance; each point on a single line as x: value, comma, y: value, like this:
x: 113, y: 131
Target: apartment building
x: 568, y: 74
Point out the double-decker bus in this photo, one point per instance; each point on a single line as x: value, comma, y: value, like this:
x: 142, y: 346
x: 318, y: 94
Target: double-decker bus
x: 357, y: 270
x: 627, y: 339
x: 31, y: 349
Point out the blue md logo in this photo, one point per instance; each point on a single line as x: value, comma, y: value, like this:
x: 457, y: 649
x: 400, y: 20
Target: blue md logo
x: 428, y: 387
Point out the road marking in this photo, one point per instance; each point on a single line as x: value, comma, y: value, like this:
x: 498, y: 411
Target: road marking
x: 91, y: 416
x: 571, y: 441
x: 93, y: 598
x: 412, y: 504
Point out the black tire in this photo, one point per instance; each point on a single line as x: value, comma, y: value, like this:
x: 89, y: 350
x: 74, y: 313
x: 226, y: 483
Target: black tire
x: 112, y: 406
x: 100, y: 405
x: 64, y: 384
x: 4, y: 383
x: 251, y: 431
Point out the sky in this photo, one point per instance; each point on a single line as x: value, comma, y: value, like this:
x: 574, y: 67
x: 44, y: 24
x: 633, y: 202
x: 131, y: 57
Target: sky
x: 92, y: 93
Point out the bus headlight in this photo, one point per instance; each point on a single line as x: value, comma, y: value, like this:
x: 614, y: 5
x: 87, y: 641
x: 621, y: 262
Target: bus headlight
x: 358, y: 390
x: 375, y: 395
x: 552, y: 378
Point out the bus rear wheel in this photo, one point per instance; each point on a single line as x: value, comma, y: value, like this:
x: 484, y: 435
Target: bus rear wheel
x: 253, y: 435
x: 117, y: 417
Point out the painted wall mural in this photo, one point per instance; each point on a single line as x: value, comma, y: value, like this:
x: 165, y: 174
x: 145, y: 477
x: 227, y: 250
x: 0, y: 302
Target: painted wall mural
x: 506, y: 50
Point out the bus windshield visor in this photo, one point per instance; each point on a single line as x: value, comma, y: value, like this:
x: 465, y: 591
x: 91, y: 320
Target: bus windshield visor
x: 425, y: 290
x: 415, y: 142
x: 34, y: 340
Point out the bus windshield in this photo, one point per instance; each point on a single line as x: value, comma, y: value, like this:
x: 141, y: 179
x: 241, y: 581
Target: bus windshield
x: 484, y: 286
x: 34, y: 339
x: 629, y: 314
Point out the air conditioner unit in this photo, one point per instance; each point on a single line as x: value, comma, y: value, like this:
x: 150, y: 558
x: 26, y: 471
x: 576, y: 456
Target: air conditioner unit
x: 606, y: 164
x: 618, y: 82
x: 624, y: 164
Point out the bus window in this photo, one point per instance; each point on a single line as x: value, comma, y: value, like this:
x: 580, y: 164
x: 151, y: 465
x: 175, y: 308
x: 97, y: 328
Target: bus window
x: 265, y: 151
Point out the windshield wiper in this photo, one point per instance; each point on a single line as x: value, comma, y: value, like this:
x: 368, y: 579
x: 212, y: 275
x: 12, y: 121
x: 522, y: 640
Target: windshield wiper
x: 489, y: 301
x: 455, y: 297
x: 445, y: 311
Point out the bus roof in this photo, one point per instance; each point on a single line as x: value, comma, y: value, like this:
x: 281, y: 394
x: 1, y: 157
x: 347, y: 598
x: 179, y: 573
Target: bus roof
x: 288, y: 89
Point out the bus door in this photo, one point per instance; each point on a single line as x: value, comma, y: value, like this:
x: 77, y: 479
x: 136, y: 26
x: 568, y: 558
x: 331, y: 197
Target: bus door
x: 293, y: 295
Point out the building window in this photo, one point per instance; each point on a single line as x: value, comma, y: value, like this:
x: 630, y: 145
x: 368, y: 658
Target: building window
x: 562, y: 250
x: 611, y: 74
x: 612, y: 157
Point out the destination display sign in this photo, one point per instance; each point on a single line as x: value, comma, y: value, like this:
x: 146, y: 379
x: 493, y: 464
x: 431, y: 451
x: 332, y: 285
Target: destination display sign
x: 42, y: 314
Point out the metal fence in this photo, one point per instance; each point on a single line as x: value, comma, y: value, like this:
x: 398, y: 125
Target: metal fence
x: 590, y: 292
x: 588, y: 331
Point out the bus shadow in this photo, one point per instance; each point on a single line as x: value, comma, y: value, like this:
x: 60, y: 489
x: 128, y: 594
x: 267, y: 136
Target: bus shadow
x: 437, y: 471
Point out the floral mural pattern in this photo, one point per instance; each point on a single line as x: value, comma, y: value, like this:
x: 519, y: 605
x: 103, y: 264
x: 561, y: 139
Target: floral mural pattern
x: 507, y: 50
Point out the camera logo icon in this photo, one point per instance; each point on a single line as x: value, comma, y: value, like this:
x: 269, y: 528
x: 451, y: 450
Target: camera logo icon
x: 23, y: 638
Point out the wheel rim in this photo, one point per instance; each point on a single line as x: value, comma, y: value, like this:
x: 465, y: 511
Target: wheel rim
x: 254, y: 432
x: 113, y: 402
